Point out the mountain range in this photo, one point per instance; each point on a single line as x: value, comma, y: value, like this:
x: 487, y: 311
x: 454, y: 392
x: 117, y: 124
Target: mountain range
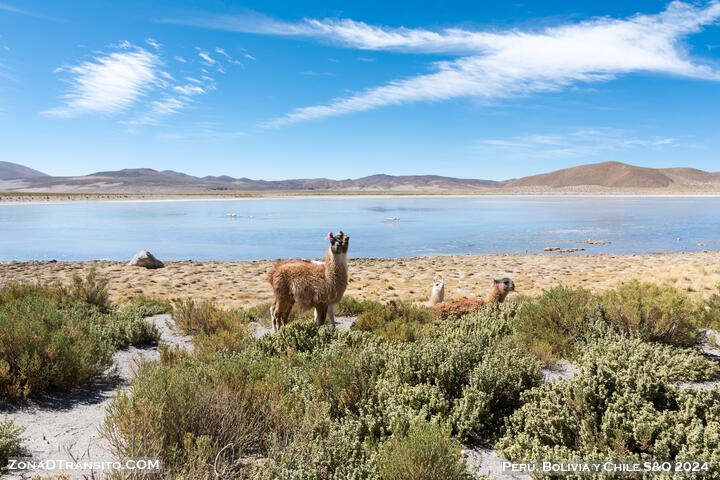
x: 605, y: 176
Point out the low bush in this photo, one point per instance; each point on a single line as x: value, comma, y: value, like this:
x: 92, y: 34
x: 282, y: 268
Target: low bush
x: 351, y: 307
x: 10, y: 442
x: 90, y: 290
x: 710, y: 311
x: 57, y: 337
x: 555, y: 324
x: 426, y: 452
x: 396, y: 320
x: 667, y: 362
x: 620, y: 406
x: 494, y: 391
x: 654, y: 313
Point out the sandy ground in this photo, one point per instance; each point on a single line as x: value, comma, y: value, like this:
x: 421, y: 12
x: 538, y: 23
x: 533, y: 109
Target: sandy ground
x: 243, y: 283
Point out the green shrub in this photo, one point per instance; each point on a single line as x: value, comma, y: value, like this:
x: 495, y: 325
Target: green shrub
x: 400, y: 321
x: 667, y: 362
x: 90, y: 290
x: 300, y: 336
x: 149, y: 306
x: 10, y: 442
x: 351, y: 307
x: 190, y: 410
x: 555, y: 324
x: 654, y: 313
x: 50, y: 339
x: 620, y: 406
x: 710, y: 311
x: 493, y: 392
x: 427, y: 452
x: 43, y: 346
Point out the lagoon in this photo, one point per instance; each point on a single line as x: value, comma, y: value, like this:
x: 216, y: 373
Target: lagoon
x: 296, y: 227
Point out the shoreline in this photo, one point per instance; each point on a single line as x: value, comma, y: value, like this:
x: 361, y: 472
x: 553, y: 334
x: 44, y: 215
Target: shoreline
x: 57, y: 198
x: 243, y: 283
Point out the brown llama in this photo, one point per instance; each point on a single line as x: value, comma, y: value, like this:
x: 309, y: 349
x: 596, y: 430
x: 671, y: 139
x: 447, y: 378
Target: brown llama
x: 458, y: 308
x: 310, y: 285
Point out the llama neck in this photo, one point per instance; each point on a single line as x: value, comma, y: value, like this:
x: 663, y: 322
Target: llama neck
x: 437, y: 295
x: 497, y: 296
x: 336, y: 271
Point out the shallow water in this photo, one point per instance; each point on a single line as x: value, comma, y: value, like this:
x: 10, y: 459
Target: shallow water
x: 281, y: 228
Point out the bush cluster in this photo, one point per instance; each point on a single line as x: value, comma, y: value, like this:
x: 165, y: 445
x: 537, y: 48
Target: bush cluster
x: 563, y: 320
x: 391, y: 398
x: 396, y: 320
x: 620, y: 406
x: 57, y: 337
x: 312, y: 402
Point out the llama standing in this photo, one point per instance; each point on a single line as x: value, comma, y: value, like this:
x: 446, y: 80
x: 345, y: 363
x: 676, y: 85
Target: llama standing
x: 438, y: 291
x: 458, y: 308
x: 310, y: 285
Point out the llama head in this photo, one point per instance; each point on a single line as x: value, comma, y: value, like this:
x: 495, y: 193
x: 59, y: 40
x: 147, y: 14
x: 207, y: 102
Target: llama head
x: 339, y: 243
x: 505, y: 285
x: 438, y: 283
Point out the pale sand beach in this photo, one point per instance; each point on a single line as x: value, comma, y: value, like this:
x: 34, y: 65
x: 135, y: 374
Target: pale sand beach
x: 243, y: 283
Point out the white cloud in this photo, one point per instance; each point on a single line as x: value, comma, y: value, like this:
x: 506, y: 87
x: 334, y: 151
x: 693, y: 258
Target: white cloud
x: 500, y: 64
x: 130, y: 80
x: 575, y: 143
x: 109, y: 84
x: 153, y: 43
x: 180, y: 59
x: 207, y: 60
x: 227, y: 56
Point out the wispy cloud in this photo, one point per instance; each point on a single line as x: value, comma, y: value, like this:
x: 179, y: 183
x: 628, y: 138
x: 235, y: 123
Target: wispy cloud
x: 130, y: 80
x: 109, y: 84
x: 494, y: 65
x: 12, y: 9
x: 153, y: 43
x: 207, y: 60
x: 581, y: 142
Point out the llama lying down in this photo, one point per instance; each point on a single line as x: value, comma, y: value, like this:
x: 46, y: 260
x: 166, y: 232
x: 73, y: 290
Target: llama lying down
x: 458, y: 308
x: 309, y: 284
x: 437, y: 294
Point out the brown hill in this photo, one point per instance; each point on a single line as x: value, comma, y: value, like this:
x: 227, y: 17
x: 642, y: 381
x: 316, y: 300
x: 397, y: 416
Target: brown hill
x: 619, y: 175
x: 9, y: 170
x: 606, y: 174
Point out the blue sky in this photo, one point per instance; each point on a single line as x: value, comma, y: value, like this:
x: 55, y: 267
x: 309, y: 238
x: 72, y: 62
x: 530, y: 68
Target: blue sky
x: 345, y: 89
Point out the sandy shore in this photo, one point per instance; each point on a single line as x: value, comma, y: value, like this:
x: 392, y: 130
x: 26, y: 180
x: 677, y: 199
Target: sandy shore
x: 24, y: 198
x: 243, y: 283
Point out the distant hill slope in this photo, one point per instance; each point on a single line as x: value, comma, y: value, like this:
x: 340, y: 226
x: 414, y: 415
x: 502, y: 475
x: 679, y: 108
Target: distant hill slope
x: 606, y: 175
x: 141, y: 180
x: 617, y: 175
x: 9, y: 170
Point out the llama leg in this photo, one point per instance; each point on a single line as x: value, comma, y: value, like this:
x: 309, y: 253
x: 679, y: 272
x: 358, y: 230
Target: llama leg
x: 331, y: 313
x: 320, y: 313
x: 273, y: 318
x: 284, y: 313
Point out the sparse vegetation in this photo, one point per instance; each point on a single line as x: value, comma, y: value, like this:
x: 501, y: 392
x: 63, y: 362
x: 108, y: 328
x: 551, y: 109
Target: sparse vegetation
x: 654, y: 313
x: 10, y: 442
x: 392, y: 398
x: 57, y: 337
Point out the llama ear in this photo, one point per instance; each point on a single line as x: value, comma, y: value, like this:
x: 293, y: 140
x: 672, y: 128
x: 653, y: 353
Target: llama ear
x: 330, y: 236
x: 493, y: 283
